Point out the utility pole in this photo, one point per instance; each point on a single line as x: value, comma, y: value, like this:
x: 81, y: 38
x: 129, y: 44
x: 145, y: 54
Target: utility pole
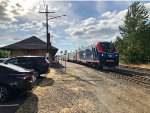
x: 61, y: 56
x: 48, y: 54
x: 47, y: 34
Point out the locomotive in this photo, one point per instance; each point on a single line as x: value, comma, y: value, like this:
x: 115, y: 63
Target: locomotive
x: 101, y: 54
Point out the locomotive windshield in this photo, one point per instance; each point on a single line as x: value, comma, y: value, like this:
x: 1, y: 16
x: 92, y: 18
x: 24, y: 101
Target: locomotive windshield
x: 108, y: 47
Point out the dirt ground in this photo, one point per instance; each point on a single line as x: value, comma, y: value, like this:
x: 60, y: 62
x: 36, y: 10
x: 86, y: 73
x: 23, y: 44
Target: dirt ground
x: 80, y: 89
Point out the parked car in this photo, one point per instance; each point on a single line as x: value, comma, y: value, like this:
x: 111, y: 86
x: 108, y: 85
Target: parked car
x: 39, y: 63
x: 15, y: 79
x: 3, y: 59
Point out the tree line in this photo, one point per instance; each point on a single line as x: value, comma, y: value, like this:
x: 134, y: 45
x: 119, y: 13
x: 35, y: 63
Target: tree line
x: 134, y: 41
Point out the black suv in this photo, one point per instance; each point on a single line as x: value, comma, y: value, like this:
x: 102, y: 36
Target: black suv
x: 39, y: 63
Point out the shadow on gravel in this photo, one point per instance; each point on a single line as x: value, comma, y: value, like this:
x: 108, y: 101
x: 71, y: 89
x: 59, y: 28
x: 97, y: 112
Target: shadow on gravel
x: 44, y: 81
x: 57, y: 65
x: 30, y: 105
x: 59, y: 68
x: 80, y: 79
x: 17, y: 101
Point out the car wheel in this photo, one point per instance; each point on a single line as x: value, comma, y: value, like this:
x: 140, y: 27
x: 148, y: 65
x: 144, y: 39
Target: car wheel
x: 4, y: 93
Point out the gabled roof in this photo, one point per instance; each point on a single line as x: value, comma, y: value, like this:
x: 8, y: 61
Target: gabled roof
x: 29, y: 43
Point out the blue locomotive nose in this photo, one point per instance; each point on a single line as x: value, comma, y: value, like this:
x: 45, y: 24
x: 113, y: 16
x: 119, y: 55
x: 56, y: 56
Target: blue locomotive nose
x: 109, y: 59
x: 112, y: 55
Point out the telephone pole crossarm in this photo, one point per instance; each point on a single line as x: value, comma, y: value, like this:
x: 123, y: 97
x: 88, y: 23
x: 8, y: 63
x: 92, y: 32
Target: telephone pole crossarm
x: 46, y: 12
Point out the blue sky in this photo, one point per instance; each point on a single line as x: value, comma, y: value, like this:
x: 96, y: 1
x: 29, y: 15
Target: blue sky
x: 86, y: 22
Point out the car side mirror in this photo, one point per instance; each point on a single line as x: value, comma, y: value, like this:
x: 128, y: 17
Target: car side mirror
x: 5, y: 62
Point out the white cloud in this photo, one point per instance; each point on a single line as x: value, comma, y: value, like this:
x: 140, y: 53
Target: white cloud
x: 92, y: 29
x: 89, y: 21
x: 105, y: 28
x: 113, y: 22
x: 65, y: 43
x: 9, y: 27
x: 34, y: 25
x: 109, y: 14
x: 147, y: 6
x: 2, y: 45
x: 11, y: 9
x: 5, y: 12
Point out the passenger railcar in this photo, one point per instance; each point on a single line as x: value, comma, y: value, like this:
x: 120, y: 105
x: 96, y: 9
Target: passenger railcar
x: 72, y: 57
x: 64, y: 57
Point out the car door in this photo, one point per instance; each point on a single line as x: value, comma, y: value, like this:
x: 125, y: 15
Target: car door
x: 35, y: 63
x: 5, y: 74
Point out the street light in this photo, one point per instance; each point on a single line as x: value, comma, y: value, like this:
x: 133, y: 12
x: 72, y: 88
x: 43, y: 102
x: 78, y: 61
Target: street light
x: 56, y: 17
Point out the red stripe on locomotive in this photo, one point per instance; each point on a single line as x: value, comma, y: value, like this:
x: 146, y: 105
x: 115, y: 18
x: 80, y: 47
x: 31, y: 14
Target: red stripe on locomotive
x: 99, y: 47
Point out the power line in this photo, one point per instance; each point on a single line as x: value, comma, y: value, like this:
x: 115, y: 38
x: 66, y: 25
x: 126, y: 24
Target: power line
x: 40, y: 4
x: 44, y: 2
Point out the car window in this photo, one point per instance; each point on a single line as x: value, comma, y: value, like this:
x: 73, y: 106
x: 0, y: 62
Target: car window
x: 37, y: 59
x: 12, y: 61
x: 23, y: 60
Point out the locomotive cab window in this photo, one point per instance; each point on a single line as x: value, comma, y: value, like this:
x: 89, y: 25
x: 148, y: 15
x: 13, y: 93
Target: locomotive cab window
x: 108, y: 47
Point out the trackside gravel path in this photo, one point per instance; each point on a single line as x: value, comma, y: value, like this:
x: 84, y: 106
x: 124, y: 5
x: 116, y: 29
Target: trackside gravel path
x: 80, y: 89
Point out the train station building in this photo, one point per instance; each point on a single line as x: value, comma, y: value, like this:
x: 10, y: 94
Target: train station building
x: 32, y: 46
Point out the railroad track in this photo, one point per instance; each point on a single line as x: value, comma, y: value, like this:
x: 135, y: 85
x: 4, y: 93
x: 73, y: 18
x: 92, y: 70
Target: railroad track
x: 137, y: 68
x: 138, y: 76
x: 132, y: 77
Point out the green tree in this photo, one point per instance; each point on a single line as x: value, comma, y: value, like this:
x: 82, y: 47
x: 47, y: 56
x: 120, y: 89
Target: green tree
x: 135, y: 34
x: 4, y: 54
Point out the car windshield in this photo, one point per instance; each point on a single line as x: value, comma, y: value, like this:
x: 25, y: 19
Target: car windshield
x: 14, y: 67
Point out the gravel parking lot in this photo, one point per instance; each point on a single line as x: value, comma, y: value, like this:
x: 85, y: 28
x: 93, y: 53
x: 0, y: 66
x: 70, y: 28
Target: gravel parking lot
x: 80, y: 89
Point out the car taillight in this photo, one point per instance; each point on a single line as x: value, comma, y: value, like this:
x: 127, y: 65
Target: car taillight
x: 28, y: 77
x: 46, y: 61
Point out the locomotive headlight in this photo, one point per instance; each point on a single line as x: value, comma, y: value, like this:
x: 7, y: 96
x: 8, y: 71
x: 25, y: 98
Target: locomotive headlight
x: 116, y: 55
x: 103, y: 55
